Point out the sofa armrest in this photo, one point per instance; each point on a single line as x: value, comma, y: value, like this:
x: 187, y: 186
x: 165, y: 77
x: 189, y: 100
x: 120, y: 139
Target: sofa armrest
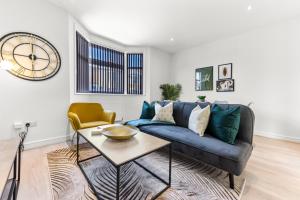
x: 74, y: 120
x: 109, y: 116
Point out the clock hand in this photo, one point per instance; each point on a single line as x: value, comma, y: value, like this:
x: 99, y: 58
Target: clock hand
x: 41, y: 58
x: 32, y: 60
x: 16, y: 54
x: 36, y: 58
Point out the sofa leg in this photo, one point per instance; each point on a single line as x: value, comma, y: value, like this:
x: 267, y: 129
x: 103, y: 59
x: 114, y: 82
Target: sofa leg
x: 231, y: 180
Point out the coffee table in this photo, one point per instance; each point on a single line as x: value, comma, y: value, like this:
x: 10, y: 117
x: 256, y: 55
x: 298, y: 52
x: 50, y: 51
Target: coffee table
x: 119, y: 153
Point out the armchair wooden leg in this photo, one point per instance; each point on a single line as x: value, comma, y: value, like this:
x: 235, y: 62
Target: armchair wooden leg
x: 231, y: 180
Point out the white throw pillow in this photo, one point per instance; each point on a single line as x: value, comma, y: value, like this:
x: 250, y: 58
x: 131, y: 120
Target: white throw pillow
x: 164, y: 113
x: 199, y: 119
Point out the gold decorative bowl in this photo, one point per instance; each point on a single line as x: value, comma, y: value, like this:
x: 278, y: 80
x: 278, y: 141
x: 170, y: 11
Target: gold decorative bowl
x: 122, y: 132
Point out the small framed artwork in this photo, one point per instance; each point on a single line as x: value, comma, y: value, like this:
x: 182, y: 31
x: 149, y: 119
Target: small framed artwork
x: 204, y: 79
x: 226, y: 85
x: 225, y: 71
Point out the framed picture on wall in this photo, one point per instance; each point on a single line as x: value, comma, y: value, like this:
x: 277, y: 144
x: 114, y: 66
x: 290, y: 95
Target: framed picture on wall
x: 226, y: 85
x: 204, y: 79
x: 225, y: 71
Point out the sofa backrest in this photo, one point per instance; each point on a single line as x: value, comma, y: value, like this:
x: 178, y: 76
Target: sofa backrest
x: 182, y: 111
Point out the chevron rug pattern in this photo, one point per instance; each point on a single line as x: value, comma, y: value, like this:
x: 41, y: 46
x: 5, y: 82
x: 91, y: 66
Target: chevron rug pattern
x: 190, y: 179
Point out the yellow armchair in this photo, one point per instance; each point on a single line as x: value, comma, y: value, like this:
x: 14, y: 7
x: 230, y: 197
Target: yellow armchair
x: 88, y: 115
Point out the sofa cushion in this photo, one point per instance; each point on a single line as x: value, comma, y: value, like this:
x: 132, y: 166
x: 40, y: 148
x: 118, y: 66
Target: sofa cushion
x: 148, y: 110
x: 199, y: 119
x: 224, y: 123
x: 164, y: 113
x: 211, y: 150
x: 246, y: 122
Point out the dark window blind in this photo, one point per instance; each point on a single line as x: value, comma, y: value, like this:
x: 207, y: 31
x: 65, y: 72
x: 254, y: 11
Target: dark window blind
x: 102, y: 70
x: 82, y: 64
x: 107, y: 70
x: 135, y: 73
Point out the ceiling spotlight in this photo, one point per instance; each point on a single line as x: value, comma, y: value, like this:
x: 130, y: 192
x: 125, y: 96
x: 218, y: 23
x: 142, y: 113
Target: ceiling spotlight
x: 172, y: 39
x: 249, y: 7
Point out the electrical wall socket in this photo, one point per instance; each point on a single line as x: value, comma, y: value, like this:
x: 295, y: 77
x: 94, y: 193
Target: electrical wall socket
x: 31, y: 123
x: 22, y: 125
x: 18, y: 125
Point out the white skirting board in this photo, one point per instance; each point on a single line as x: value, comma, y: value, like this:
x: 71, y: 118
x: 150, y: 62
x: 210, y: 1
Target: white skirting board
x: 60, y: 139
x: 45, y: 142
x: 277, y: 136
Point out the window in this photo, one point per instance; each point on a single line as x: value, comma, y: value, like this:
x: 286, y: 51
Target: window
x: 102, y: 70
x: 135, y: 73
x: 106, y: 70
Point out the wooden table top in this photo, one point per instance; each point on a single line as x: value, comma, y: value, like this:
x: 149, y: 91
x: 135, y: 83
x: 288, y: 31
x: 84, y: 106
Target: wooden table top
x: 8, y: 151
x: 122, y: 151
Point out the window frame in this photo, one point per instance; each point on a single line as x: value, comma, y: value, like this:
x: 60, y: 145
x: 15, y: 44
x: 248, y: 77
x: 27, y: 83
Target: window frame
x: 125, y: 50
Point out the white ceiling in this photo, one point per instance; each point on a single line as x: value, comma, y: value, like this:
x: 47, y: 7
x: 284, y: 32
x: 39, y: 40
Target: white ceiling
x: 189, y: 22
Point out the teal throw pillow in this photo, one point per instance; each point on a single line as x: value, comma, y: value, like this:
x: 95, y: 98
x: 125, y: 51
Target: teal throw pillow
x: 224, y: 123
x: 148, y: 110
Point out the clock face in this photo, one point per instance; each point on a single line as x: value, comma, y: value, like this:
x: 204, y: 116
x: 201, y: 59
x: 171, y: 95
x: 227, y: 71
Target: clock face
x: 33, y: 57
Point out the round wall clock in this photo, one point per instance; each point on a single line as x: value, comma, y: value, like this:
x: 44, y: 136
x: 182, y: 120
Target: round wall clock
x: 33, y: 57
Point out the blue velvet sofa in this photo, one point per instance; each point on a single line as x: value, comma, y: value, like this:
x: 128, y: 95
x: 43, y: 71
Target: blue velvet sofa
x: 211, y: 150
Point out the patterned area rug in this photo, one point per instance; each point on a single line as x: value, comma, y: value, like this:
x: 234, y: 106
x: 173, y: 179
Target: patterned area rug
x: 190, y: 179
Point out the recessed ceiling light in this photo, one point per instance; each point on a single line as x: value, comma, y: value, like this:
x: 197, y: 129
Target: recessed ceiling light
x: 172, y: 39
x: 249, y: 7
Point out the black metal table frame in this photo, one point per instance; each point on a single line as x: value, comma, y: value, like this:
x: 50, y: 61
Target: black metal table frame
x: 118, y: 167
x: 16, y: 167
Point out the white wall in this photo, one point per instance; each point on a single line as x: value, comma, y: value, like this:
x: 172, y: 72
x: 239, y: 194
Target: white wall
x: 159, y: 71
x: 266, y: 68
x: 46, y: 101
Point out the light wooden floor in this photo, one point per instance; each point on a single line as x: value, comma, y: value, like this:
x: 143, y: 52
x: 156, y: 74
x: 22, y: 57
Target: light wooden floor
x: 272, y: 173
